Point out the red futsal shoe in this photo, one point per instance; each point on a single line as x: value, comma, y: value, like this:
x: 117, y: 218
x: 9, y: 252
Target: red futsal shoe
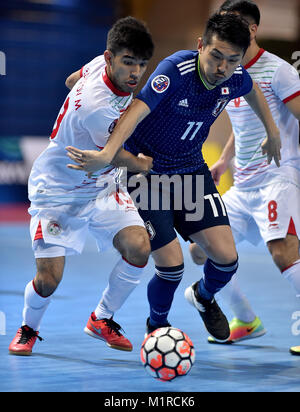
x: 23, y: 342
x: 108, y: 331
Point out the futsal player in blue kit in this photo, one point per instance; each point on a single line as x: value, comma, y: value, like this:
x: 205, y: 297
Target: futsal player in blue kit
x: 169, y: 120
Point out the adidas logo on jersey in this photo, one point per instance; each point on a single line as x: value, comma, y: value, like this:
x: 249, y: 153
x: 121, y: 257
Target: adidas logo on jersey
x: 183, y: 103
x: 187, y: 66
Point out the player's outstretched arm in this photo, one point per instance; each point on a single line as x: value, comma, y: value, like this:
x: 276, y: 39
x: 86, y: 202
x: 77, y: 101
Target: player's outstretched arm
x: 272, y: 144
x: 135, y: 164
x: 220, y: 167
x: 93, y: 160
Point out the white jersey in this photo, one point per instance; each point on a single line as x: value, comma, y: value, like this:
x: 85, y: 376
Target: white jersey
x: 85, y: 121
x: 279, y: 81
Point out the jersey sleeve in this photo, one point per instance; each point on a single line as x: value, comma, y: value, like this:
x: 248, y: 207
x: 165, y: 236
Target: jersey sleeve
x: 247, y: 84
x: 161, y: 84
x: 87, y: 68
x: 286, y: 82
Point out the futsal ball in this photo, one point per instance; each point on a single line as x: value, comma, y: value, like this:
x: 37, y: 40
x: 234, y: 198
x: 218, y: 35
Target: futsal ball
x: 167, y: 353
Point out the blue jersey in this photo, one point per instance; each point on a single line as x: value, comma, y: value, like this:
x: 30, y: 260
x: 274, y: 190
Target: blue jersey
x: 182, y: 112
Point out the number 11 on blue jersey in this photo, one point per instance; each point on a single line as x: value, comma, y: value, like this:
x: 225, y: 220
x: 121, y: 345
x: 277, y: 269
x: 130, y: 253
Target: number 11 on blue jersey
x: 193, y: 127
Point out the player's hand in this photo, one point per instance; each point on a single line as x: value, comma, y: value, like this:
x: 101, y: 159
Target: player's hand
x: 217, y: 170
x: 271, y: 146
x: 146, y: 163
x: 87, y: 160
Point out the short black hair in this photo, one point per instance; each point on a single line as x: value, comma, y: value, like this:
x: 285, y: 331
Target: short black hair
x: 246, y: 8
x: 230, y: 28
x: 131, y: 34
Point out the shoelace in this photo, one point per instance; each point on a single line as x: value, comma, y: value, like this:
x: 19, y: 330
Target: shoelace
x: 113, y: 326
x: 27, y: 334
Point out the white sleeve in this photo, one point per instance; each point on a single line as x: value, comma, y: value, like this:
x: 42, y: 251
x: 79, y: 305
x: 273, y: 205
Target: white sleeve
x: 87, y: 68
x: 286, y: 82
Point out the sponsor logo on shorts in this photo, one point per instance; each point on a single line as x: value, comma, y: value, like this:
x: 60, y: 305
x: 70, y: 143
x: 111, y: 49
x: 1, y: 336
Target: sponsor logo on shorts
x: 112, y: 126
x: 150, y: 229
x: 54, y: 228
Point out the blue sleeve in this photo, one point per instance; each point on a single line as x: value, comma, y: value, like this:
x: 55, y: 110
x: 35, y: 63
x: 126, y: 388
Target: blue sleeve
x: 247, y: 84
x: 161, y: 84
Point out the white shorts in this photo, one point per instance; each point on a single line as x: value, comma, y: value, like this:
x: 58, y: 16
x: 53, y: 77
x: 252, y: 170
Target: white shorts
x: 264, y: 213
x: 61, y: 230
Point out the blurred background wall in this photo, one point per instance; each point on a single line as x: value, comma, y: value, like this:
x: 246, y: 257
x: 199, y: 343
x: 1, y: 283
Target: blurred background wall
x: 43, y: 41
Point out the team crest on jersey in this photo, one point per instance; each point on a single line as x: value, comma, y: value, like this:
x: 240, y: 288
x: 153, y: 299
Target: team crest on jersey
x: 160, y: 83
x: 86, y: 72
x: 54, y: 228
x: 220, y: 106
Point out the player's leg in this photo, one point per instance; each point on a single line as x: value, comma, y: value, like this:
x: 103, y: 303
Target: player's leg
x: 166, y: 252
x: 53, y: 237
x: 133, y: 245
x: 245, y: 324
x: 279, y: 223
x: 221, y: 264
x: 169, y: 268
x: 285, y: 254
x: 197, y: 254
x: 125, y: 230
x: 37, y: 297
x: 213, y: 234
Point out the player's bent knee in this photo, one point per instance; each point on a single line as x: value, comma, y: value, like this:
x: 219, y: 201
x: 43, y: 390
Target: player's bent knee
x: 49, y: 274
x: 283, y: 253
x: 197, y: 254
x: 137, y: 249
x: 46, y: 285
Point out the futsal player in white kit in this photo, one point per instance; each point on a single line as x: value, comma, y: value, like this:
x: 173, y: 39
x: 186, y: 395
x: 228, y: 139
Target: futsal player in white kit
x: 65, y: 206
x: 264, y: 201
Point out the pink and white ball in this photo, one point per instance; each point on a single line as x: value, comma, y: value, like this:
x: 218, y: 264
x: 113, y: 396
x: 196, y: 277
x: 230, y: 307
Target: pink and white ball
x: 167, y: 353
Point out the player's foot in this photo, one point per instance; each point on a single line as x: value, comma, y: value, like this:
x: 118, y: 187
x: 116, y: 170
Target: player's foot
x: 214, y: 319
x: 23, y: 342
x: 295, y: 350
x: 241, y: 330
x: 150, y: 328
x: 108, y: 331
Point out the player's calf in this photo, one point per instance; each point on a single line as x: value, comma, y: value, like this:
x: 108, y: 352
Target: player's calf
x: 201, y: 296
x: 284, y: 252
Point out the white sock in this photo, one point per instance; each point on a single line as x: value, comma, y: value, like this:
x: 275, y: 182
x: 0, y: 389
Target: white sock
x: 292, y: 274
x: 237, y: 301
x: 123, y: 279
x: 34, y: 307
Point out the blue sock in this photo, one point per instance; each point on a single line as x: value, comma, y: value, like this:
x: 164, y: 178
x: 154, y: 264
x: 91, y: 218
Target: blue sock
x: 203, y: 292
x: 161, y: 289
x: 216, y: 276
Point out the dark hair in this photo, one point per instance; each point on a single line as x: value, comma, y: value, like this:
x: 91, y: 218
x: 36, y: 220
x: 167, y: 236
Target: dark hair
x: 247, y: 8
x: 131, y: 34
x: 230, y: 28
